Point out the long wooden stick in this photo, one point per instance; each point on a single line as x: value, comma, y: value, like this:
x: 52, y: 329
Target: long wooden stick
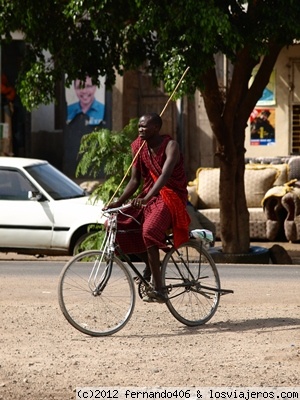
x: 174, y: 91
x: 137, y: 153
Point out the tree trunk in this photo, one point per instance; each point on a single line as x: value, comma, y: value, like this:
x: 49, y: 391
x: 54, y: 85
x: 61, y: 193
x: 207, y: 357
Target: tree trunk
x: 229, y: 130
x: 234, y: 213
x: 228, y: 114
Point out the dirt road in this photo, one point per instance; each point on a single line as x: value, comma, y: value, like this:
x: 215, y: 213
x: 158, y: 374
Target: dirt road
x: 253, y: 340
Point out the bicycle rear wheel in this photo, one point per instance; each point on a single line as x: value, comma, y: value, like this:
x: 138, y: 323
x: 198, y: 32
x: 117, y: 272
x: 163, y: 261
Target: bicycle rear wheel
x: 95, y: 298
x: 193, y: 284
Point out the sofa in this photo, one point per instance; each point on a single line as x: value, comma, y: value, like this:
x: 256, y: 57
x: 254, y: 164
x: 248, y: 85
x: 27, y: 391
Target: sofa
x: 290, y: 201
x: 269, y: 182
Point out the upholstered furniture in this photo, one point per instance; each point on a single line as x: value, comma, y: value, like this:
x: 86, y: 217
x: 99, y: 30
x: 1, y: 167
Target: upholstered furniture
x: 291, y: 202
x: 265, y: 186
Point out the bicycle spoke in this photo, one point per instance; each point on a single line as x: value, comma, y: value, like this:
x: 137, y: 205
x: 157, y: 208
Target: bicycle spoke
x: 97, y: 301
x: 193, y: 284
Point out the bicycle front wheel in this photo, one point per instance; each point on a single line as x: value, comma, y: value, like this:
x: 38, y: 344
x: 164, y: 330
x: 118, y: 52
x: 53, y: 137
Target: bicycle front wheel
x: 192, y: 282
x: 96, y: 294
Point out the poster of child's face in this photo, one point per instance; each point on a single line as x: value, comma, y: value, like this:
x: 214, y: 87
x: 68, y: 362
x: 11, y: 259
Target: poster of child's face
x: 86, y: 98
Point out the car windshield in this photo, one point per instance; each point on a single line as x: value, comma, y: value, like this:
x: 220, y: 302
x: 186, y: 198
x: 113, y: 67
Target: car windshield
x: 55, y: 183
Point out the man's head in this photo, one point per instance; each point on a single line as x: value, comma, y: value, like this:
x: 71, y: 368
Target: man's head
x: 265, y: 114
x: 149, y: 125
x: 85, y: 92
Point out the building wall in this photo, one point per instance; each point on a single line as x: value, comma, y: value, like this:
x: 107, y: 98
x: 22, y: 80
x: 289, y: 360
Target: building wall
x: 202, y: 151
x: 282, y: 145
x: 42, y: 118
x: 140, y: 96
x: 200, y: 143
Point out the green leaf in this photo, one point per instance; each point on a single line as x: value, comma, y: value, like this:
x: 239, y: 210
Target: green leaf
x: 111, y: 150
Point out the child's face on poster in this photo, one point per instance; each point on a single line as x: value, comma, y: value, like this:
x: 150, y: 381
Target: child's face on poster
x: 85, y: 91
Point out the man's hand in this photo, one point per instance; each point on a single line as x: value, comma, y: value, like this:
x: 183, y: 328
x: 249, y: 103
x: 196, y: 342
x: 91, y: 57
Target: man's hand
x: 112, y: 205
x: 139, y: 202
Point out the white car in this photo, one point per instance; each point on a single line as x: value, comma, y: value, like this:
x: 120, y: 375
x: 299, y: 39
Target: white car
x: 42, y: 211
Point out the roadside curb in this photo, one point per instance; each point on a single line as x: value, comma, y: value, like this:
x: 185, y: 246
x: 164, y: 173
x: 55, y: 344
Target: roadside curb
x: 293, y: 250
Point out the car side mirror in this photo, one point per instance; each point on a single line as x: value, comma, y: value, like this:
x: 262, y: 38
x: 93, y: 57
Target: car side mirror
x: 37, y: 196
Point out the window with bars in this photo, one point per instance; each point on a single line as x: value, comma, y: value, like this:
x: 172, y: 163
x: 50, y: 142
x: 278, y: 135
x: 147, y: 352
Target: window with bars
x: 296, y: 129
x: 295, y: 106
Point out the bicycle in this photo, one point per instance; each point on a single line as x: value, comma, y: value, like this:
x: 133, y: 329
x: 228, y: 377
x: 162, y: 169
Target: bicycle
x: 97, y: 293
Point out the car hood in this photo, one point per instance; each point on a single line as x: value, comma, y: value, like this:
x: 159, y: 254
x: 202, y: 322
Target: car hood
x: 83, y: 200
x: 85, y: 210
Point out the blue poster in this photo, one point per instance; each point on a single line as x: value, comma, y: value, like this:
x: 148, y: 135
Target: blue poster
x: 88, y: 99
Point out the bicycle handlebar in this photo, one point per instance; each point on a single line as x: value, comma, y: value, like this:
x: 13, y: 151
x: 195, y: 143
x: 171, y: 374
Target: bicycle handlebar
x: 116, y: 209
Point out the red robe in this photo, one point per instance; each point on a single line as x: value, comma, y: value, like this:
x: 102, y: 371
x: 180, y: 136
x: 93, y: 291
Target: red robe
x: 164, y: 211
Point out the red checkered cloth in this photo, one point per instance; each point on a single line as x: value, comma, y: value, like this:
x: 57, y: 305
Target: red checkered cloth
x: 158, y: 215
x: 180, y: 217
x: 155, y: 220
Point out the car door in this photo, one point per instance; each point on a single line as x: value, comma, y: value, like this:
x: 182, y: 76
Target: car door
x: 24, y: 221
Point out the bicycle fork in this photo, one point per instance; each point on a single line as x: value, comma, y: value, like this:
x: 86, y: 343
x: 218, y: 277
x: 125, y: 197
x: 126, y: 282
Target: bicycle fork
x: 98, y: 283
x: 98, y: 280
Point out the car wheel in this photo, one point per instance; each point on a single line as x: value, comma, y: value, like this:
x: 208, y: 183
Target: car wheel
x: 79, y: 247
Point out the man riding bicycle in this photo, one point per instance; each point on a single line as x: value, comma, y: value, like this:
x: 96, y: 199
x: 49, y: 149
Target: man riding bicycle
x: 161, y: 205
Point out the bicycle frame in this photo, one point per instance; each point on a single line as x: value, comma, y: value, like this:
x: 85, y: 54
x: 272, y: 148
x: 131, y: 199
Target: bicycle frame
x: 169, y: 241
x: 108, y: 249
x: 133, y: 267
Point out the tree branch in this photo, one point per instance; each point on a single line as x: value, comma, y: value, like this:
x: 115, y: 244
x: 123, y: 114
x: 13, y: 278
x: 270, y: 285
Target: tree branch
x: 260, y: 81
x: 213, y: 101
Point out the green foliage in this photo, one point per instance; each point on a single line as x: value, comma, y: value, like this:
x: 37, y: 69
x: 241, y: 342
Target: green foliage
x: 111, y: 150
x: 94, y: 239
x: 93, y: 242
x: 32, y: 94
x: 104, y: 37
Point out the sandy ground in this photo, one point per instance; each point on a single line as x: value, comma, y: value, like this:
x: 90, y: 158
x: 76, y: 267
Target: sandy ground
x: 253, y: 340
